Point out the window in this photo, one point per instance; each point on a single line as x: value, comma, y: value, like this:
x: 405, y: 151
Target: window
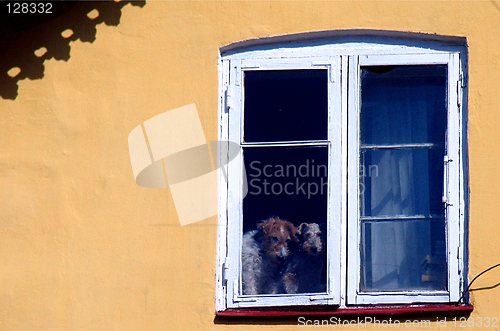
x: 357, y: 142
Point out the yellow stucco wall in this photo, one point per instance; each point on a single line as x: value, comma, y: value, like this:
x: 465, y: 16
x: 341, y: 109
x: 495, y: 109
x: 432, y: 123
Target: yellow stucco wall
x: 82, y: 247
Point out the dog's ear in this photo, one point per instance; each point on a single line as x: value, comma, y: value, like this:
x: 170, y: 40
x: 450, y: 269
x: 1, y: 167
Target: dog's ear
x: 259, y: 236
x: 294, y: 233
x: 265, y: 227
x: 302, y: 227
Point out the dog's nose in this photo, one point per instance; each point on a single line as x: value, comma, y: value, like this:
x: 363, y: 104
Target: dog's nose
x: 314, y: 249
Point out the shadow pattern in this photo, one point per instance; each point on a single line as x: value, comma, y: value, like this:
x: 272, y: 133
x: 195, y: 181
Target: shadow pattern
x: 28, y: 39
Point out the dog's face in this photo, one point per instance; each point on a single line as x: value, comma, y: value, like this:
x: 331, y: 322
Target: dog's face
x: 278, y: 238
x: 311, y: 238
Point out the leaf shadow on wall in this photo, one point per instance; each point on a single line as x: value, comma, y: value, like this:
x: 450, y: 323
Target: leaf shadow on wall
x: 28, y: 39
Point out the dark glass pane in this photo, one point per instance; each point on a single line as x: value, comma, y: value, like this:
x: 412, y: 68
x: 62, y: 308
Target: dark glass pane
x: 289, y: 183
x: 286, y: 105
x: 405, y: 104
x: 401, y: 182
x: 403, y: 255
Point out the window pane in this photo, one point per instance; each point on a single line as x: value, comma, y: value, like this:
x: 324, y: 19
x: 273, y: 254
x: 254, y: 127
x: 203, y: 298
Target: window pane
x: 401, y: 186
x: 401, y: 182
x: 403, y: 255
x: 286, y: 105
x: 403, y: 105
x: 289, y: 183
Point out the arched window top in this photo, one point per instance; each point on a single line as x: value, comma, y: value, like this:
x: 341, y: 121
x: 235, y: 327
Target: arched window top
x: 337, y: 42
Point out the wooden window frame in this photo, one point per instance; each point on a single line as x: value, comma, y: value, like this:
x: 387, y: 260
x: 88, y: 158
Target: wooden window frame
x: 343, y: 59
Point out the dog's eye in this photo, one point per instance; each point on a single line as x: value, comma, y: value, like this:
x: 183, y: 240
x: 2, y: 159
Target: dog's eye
x: 275, y: 239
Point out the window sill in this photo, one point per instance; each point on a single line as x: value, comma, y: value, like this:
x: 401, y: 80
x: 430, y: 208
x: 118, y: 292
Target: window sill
x: 441, y: 309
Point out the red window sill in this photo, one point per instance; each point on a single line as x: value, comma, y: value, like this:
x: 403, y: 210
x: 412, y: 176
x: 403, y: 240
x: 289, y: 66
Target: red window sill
x: 351, y: 311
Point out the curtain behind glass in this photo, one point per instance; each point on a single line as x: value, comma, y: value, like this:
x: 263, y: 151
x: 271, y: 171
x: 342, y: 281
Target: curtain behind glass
x: 403, y: 120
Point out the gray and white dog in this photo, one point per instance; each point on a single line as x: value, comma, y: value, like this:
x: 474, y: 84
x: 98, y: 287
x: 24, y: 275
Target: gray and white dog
x: 302, y: 272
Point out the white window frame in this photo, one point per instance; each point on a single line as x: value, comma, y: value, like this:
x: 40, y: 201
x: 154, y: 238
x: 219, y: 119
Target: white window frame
x: 343, y: 59
x: 235, y: 98
x: 451, y: 186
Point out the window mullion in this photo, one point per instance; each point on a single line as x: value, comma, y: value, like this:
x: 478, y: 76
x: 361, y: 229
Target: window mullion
x: 353, y: 226
x: 344, y: 198
x: 400, y: 146
x: 287, y: 143
x: 335, y: 180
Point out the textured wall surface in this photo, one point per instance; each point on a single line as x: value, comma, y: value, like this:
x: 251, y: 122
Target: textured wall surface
x: 82, y: 247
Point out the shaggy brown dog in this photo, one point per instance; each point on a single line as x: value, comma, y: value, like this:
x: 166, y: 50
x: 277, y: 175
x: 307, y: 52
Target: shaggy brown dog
x: 264, y: 251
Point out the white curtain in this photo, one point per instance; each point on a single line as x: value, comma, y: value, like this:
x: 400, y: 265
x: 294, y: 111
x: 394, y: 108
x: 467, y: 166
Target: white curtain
x: 395, y: 182
x: 397, y: 246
